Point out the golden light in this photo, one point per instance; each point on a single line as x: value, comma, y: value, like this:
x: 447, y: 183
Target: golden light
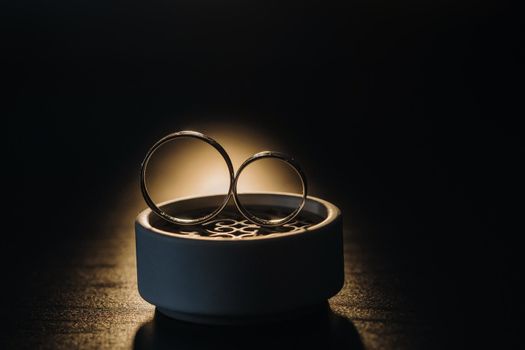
x: 189, y: 167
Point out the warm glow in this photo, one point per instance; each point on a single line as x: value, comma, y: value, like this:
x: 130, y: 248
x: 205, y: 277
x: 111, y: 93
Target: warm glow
x: 189, y: 167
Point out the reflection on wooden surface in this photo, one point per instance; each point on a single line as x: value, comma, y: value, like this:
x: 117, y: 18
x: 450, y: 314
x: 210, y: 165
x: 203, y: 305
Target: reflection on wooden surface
x: 320, y: 330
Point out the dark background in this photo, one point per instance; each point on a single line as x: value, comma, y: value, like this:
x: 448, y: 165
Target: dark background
x: 405, y: 114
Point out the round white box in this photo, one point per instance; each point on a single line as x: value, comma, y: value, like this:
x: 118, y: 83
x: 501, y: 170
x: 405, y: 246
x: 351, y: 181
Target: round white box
x: 240, y: 277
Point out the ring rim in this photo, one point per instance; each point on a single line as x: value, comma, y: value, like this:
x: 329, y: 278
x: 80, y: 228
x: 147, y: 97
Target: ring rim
x: 294, y: 165
x: 144, y: 189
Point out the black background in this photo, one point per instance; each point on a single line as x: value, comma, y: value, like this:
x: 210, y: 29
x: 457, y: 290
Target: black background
x: 405, y: 114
